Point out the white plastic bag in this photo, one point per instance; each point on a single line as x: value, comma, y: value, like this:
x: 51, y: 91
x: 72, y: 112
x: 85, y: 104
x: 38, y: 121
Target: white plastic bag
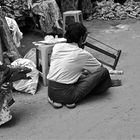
x: 31, y: 55
x: 28, y: 86
x: 16, y: 33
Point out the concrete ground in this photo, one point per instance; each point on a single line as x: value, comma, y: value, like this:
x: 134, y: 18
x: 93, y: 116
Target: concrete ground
x: 114, y: 115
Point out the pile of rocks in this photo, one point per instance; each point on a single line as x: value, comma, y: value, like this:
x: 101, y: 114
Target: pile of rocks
x: 108, y: 9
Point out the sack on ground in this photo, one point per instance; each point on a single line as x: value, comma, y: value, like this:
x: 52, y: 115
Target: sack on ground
x: 30, y: 85
x: 31, y: 55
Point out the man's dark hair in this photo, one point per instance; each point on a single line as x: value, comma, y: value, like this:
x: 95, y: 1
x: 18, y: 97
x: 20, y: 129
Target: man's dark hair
x: 74, y: 32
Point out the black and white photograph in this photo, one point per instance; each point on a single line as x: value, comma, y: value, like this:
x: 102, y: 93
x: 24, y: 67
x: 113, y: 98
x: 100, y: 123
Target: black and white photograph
x: 69, y: 70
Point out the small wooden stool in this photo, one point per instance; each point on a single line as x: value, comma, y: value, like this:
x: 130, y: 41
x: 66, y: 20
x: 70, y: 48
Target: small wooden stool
x: 45, y: 52
x: 77, y: 14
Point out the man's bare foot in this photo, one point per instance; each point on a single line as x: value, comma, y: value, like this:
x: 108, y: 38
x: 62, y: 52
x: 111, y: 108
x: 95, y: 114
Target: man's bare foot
x: 116, y: 83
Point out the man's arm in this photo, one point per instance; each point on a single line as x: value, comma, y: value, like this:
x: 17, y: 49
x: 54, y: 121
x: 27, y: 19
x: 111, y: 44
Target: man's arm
x: 92, y: 64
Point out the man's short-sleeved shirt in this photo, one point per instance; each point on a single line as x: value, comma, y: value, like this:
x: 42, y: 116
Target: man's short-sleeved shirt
x: 68, y: 61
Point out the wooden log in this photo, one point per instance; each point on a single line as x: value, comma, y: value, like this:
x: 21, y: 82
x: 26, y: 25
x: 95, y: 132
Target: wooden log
x: 6, y: 37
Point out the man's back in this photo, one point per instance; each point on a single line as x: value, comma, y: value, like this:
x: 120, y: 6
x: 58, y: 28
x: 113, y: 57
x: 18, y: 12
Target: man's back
x: 67, y: 63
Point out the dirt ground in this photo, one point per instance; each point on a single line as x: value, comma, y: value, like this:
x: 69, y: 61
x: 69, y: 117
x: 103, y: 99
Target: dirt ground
x: 114, y: 115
